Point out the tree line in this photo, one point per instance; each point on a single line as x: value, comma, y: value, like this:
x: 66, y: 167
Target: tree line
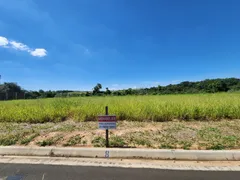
x: 186, y: 87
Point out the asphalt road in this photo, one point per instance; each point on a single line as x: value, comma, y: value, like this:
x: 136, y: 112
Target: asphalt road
x: 59, y: 172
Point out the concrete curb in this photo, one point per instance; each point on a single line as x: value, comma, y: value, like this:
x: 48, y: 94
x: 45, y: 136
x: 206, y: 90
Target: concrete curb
x: 192, y: 155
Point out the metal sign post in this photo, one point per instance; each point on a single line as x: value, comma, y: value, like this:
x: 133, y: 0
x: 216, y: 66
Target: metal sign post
x: 107, y: 141
x: 107, y: 122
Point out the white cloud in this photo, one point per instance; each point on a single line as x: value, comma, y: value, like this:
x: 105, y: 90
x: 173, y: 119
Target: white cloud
x: 3, y: 41
x: 39, y: 52
x: 144, y: 84
x: 19, y: 46
x: 122, y: 86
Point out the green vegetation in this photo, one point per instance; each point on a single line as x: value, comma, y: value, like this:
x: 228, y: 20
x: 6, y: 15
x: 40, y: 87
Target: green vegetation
x: 10, y: 91
x: 50, y: 141
x: 27, y: 140
x: 216, y: 139
x: 117, y: 141
x: 73, y: 141
x: 191, y: 121
x: 7, y: 140
x: 114, y: 141
x: 134, y: 108
x: 139, y: 138
x: 98, y: 141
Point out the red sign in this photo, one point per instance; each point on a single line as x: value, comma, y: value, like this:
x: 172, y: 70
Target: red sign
x: 106, y: 118
x: 107, y: 122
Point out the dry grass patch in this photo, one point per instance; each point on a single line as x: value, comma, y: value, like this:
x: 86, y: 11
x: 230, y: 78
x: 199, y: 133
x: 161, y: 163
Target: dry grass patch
x: 216, y: 135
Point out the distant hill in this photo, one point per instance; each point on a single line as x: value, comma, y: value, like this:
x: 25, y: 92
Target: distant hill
x: 186, y: 87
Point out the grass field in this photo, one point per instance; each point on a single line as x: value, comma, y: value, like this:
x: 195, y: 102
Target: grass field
x: 134, y: 108
x: 201, y: 121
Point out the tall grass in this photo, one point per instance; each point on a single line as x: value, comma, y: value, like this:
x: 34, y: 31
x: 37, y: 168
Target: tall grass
x: 136, y: 108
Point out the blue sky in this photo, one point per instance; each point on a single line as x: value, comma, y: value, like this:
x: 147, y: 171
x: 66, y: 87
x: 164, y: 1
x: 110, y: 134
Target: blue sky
x: 52, y: 44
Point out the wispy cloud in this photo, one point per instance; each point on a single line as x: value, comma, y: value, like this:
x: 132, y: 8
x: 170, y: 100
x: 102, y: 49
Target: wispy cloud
x: 144, y: 84
x: 19, y: 46
x: 122, y: 86
x: 5, y: 43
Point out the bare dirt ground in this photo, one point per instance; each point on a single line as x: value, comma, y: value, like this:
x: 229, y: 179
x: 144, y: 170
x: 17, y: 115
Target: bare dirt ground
x: 176, y: 134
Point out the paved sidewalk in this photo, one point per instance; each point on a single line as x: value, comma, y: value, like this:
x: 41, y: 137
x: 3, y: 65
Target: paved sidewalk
x: 160, y: 154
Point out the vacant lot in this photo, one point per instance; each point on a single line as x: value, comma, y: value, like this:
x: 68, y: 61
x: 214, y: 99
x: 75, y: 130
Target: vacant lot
x: 216, y: 135
x: 133, y: 108
x: 205, y: 121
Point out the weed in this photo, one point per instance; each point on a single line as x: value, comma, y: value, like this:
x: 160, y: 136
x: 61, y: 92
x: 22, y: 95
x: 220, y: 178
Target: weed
x: 216, y: 146
x: 186, y: 145
x: 84, y: 142
x: 140, y: 141
x: 209, y: 133
x: 47, y: 142
x: 167, y: 146
x: 8, y: 140
x: 98, y: 141
x: 50, y: 141
x: 73, y: 141
x: 27, y: 140
x: 66, y: 128
x: 117, y: 141
x: 230, y: 141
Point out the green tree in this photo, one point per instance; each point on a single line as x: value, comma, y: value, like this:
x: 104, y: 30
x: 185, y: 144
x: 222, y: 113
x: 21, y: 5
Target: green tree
x: 10, y: 87
x: 87, y: 93
x: 129, y: 91
x: 235, y: 87
x: 108, y: 92
x: 96, y: 89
